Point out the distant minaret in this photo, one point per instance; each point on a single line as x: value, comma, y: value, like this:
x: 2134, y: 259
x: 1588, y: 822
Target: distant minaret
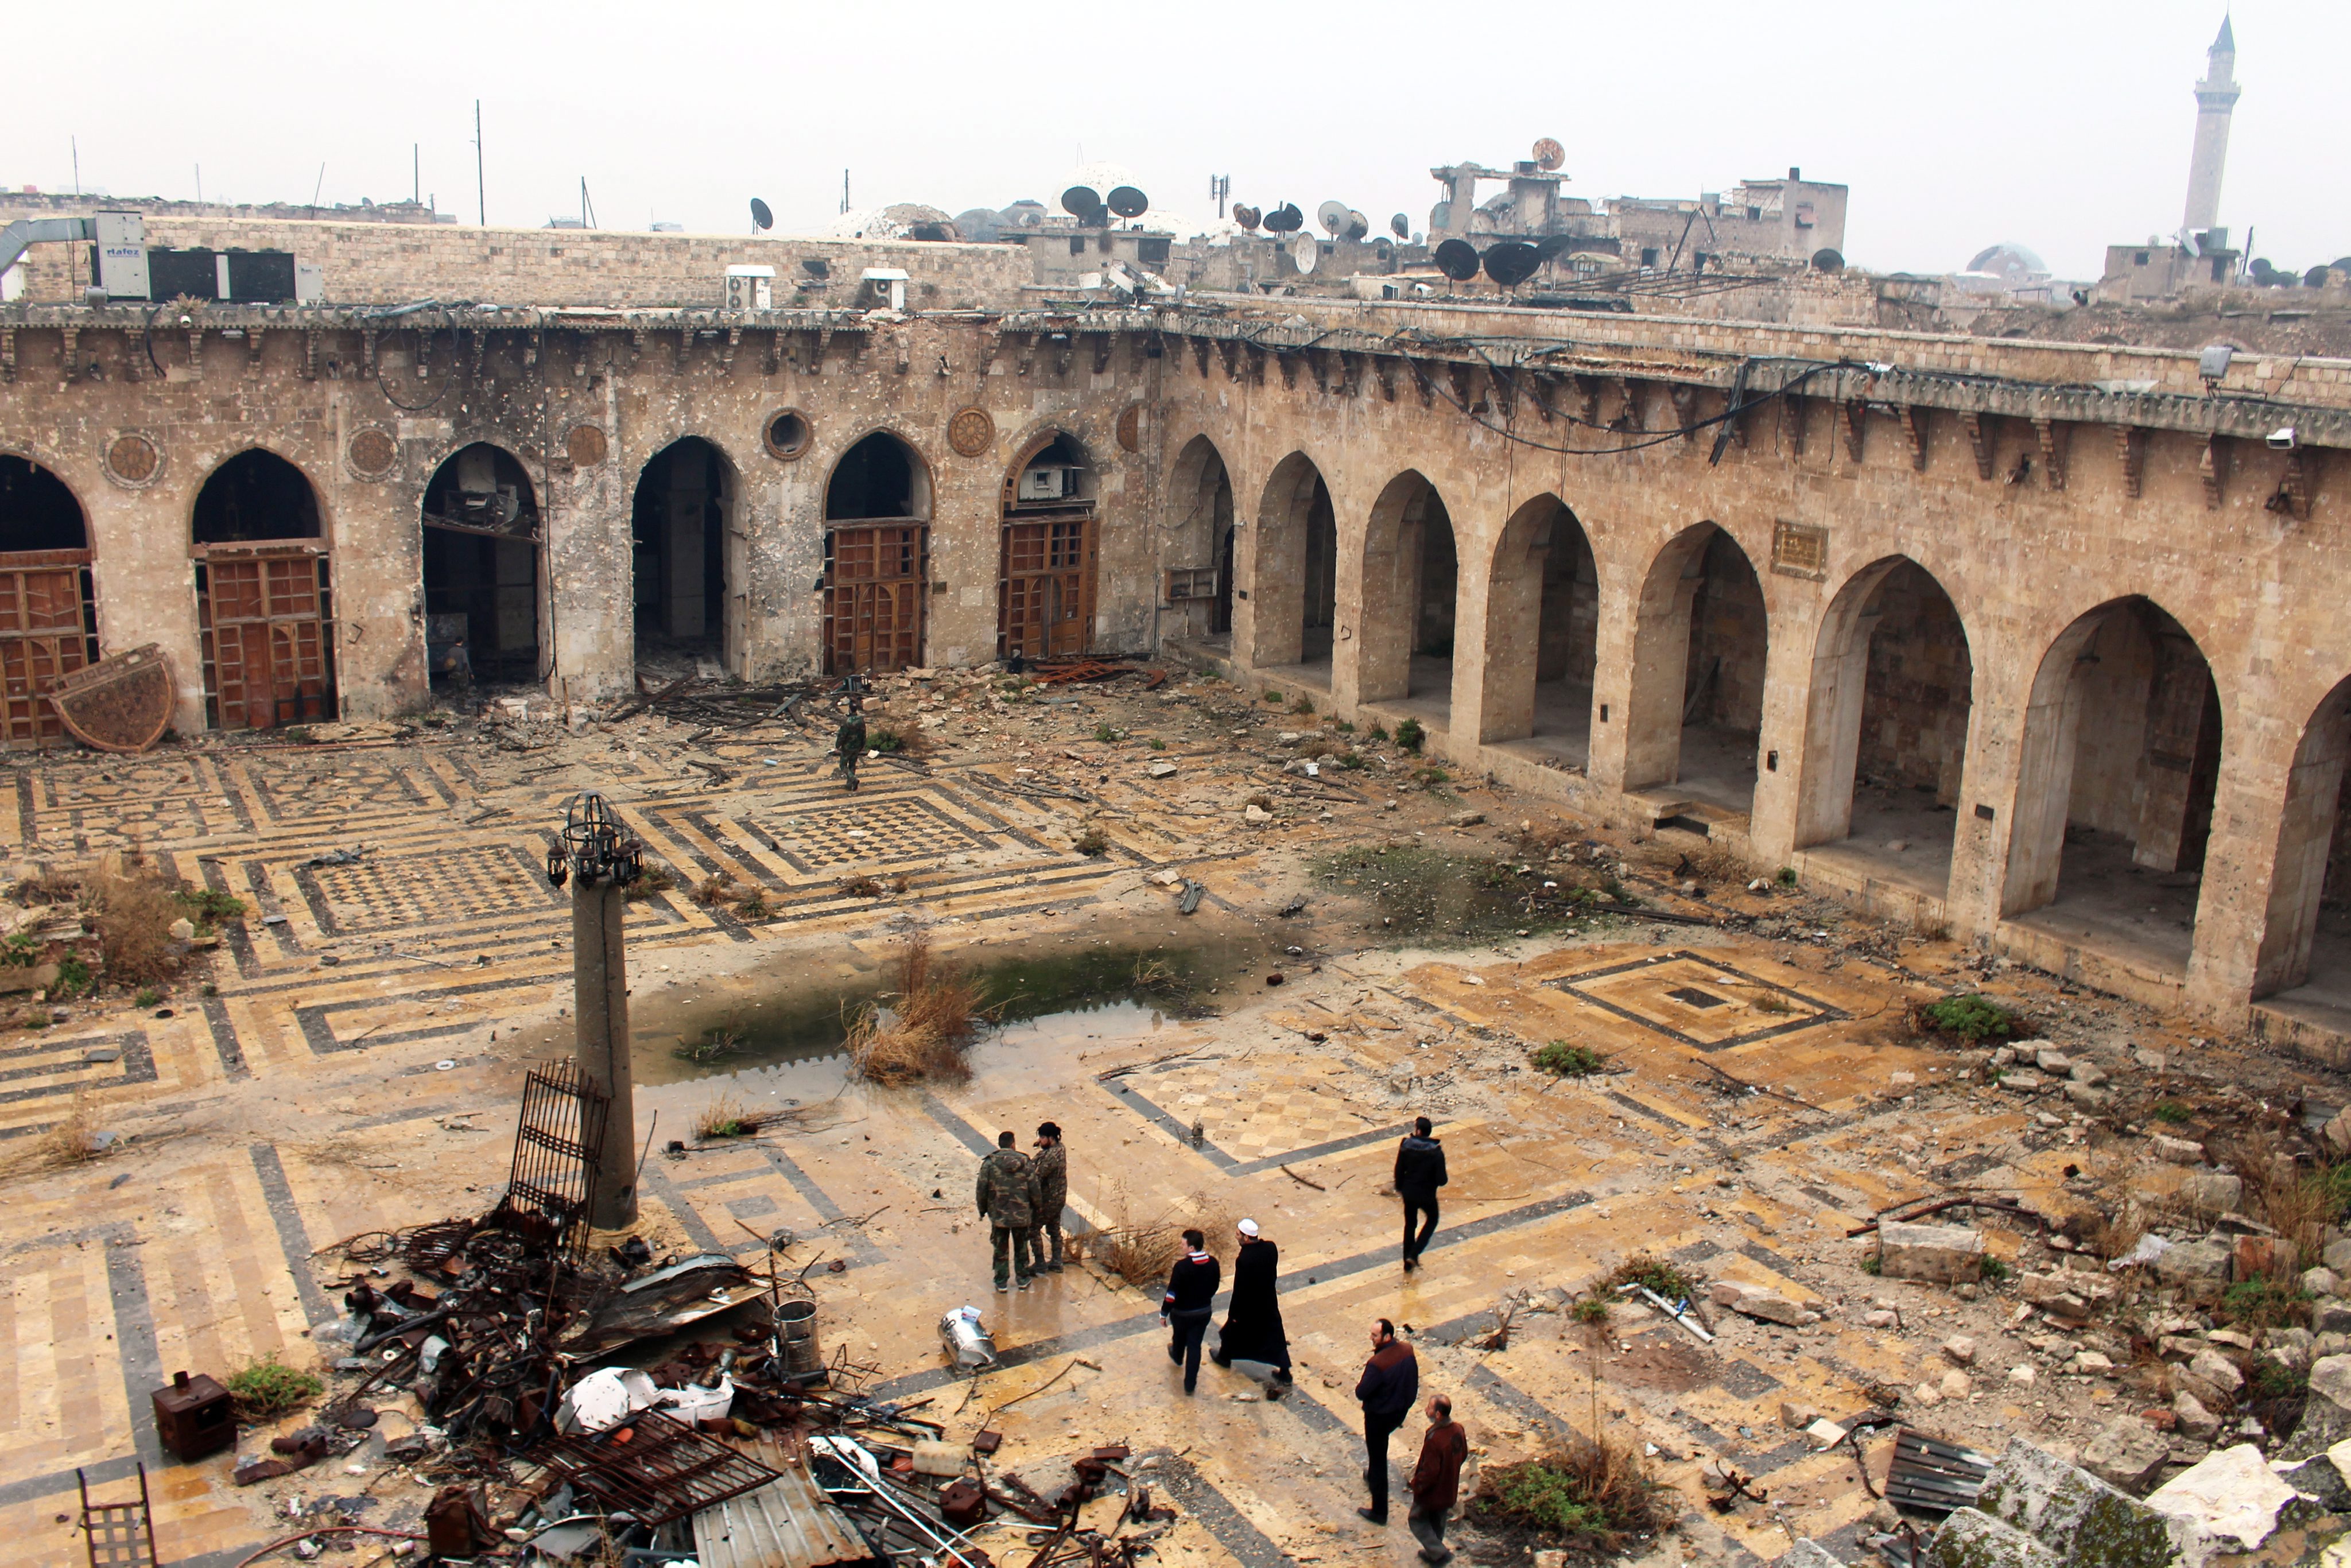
x: 2216, y: 95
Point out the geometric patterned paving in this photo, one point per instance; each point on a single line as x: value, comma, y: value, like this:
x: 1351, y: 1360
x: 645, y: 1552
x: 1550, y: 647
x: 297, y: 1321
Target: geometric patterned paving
x: 394, y: 892
x: 1697, y: 1001
x: 1266, y: 1115
x: 879, y: 832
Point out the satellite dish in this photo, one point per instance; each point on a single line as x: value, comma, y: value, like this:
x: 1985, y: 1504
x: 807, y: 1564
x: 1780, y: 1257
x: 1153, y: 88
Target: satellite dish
x: 981, y: 224
x: 1332, y: 216
x: 1549, y: 154
x: 1440, y: 217
x: 1551, y: 246
x: 1249, y: 217
x: 761, y: 218
x: 1127, y: 202
x: 1827, y: 260
x: 1458, y: 259
x: 1511, y: 262
x: 1305, y: 252
x: 1400, y: 226
x: 1285, y: 219
x: 1358, y: 225
x: 1083, y: 203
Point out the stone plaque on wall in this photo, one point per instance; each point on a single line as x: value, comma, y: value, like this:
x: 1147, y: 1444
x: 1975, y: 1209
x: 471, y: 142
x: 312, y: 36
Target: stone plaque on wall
x: 371, y: 452
x: 1799, y: 550
x: 585, y: 445
x: 971, y: 431
x: 134, y: 460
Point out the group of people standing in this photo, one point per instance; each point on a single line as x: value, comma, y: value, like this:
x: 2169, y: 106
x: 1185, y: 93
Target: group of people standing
x: 1021, y: 1197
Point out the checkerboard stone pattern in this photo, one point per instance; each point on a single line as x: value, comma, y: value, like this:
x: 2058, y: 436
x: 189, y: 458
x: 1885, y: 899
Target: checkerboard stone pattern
x: 397, y: 892
x: 888, y: 830
x: 1268, y: 1110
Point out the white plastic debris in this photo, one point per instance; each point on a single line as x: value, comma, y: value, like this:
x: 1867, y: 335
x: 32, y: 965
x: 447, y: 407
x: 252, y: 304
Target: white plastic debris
x: 692, y: 1405
x: 2150, y: 1247
x: 605, y: 1398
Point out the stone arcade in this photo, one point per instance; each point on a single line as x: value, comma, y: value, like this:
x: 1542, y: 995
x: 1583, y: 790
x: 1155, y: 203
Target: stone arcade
x: 2039, y: 643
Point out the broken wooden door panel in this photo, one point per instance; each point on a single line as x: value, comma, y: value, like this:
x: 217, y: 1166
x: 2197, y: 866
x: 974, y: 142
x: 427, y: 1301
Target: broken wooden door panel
x: 49, y: 629
x: 1045, y: 601
x: 875, y: 579
x: 267, y: 624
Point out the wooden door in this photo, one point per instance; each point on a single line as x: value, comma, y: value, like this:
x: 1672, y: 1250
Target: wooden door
x: 875, y: 578
x: 267, y: 622
x: 1045, y: 599
x: 49, y: 627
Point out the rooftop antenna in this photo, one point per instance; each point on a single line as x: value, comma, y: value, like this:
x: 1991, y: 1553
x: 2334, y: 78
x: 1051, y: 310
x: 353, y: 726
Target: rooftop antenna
x: 1219, y: 187
x: 481, y: 186
x: 844, y: 190
x: 415, y: 173
x: 587, y: 207
x: 200, y: 184
x: 319, y: 187
x: 75, y: 143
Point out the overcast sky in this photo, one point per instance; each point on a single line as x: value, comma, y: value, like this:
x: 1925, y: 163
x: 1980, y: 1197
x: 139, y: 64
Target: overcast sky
x: 2064, y: 124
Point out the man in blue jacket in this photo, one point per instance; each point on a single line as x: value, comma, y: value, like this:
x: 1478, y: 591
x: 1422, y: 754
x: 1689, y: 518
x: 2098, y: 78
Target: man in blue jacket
x: 1420, y: 1172
x: 1391, y: 1382
x: 1190, y: 1301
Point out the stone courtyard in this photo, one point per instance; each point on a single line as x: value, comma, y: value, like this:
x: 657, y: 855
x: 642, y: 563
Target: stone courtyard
x: 351, y: 1065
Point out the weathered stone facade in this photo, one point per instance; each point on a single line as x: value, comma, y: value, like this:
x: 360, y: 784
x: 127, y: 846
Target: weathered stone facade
x: 2039, y: 603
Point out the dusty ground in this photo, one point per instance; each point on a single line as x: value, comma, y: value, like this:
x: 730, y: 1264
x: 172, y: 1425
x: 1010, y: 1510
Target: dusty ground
x: 354, y: 1068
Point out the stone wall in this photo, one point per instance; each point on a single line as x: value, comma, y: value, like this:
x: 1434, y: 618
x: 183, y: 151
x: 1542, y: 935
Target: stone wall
x: 382, y: 264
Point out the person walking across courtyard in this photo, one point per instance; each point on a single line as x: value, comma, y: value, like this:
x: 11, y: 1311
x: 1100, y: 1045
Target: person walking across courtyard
x: 1190, y: 1301
x: 1253, y: 1332
x: 1052, y: 1163
x: 1420, y: 1172
x: 1391, y: 1382
x: 1437, y: 1479
x: 849, y: 740
x: 1007, y: 1201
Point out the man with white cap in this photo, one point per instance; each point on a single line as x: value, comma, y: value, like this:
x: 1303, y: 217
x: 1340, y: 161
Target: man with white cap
x: 1253, y: 1336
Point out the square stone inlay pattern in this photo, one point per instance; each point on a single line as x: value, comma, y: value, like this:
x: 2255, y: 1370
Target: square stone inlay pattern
x: 1696, y: 1001
x: 888, y: 831
x: 478, y: 883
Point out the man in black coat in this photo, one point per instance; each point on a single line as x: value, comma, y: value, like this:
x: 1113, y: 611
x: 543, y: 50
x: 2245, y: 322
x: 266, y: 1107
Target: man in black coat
x: 1253, y: 1331
x: 1190, y: 1301
x: 1391, y: 1382
x: 1420, y: 1172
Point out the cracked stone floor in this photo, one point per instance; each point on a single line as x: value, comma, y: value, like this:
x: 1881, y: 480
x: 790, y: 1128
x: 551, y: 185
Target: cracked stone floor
x: 362, y: 1008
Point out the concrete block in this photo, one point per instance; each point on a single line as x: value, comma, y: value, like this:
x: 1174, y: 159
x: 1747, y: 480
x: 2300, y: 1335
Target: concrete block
x: 2175, y: 1151
x: 2072, y: 1511
x: 1944, y: 1254
x: 1771, y: 1307
x: 1971, y: 1539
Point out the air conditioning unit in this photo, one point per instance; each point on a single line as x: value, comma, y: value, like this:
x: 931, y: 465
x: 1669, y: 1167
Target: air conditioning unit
x: 750, y: 288
x: 1047, y: 484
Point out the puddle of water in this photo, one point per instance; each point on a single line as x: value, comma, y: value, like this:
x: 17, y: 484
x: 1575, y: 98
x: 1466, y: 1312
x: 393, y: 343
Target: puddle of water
x: 1045, y: 994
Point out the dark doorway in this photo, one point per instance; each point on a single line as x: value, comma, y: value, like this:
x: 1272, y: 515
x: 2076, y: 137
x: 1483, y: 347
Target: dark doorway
x: 680, y: 558
x: 481, y: 570
x: 264, y: 603
x: 1045, y: 588
x: 48, y: 600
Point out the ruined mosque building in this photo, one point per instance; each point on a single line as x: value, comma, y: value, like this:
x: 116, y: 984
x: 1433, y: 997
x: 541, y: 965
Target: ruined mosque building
x: 2040, y: 643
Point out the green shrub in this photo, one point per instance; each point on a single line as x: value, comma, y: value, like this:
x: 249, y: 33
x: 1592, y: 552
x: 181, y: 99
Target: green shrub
x: 1564, y: 1061
x: 1377, y: 732
x: 267, y: 1388
x: 1345, y: 727
x: 1303, y: 706
x: 1590, y: 1310
x: 2170, y: 1112
x: 1995, y: 1270
x: 2263, y: 1303
x: 1157, y: 743
x: 1105, y: 734
x: 1654, y: 1274
x: 1970, y: 1016
x: 1409, y: 735
x: 1092, y: 842
x: 1873, y: 1264
x: 1787, y: 876
x: 148, y: 996
x: 1546, y: 1498
x: 207, y: 904
x: 22, y: 950
x: 73, y: 977
x: 1272, y: 697
x: 885, y: 740
x: 1351, y: 761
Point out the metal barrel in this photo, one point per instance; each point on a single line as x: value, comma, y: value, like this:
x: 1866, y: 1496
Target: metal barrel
x: 795, y: 1333
x: 966, y: 1343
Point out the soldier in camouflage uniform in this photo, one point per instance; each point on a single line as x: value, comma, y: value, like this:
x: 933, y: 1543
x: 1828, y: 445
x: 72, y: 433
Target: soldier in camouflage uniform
x: 1052, y: 1163
x: 1007, y: 1201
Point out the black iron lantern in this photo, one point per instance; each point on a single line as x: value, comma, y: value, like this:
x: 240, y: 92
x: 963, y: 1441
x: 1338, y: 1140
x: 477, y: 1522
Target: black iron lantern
x: 594, y: 845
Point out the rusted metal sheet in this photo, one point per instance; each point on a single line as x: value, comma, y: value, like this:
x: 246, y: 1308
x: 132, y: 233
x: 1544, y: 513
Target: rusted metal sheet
x: 1932, y: 1475
x: 665, y: 1301
x: 122, y: 703
x: 787, y: 1524
x: 656, y: 1469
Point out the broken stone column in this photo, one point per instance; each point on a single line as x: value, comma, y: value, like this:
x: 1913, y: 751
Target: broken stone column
x: 1943, y: 1254
x: 2072, y: 1512
x: 1971, y: 1539
x: 600, y: 995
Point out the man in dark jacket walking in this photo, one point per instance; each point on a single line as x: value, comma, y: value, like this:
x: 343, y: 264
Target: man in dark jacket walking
x: 1253, y: 1331
x: 1391, y: 1382
x: 1437, y: 1479
x: 1190, y: 1301
x: 1420, y: 1172
x: 1052, y: 1163
x: 1007, y: 1201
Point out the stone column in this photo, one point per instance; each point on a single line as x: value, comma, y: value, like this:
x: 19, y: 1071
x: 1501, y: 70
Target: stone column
x: 600, y: 995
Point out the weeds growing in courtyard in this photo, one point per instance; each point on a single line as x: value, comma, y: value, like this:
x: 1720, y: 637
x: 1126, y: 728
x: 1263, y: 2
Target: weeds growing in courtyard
x: 1562, y: 1060
x: 1591, y: 1492
x: 1140, y: 1246
x: 1652, y: 1273
x: 1409, y: 735
x: 933, y: 1018
x: 1970, y: 1016
x: 725, y: 1117
x: 267, y: 1388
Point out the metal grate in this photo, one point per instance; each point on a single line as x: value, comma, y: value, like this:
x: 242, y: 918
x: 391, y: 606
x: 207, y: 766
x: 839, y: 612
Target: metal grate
x: 556, y: 1145
x: 1931, y: 1476
x: 119, y: 1534
x: 662, y: 1471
